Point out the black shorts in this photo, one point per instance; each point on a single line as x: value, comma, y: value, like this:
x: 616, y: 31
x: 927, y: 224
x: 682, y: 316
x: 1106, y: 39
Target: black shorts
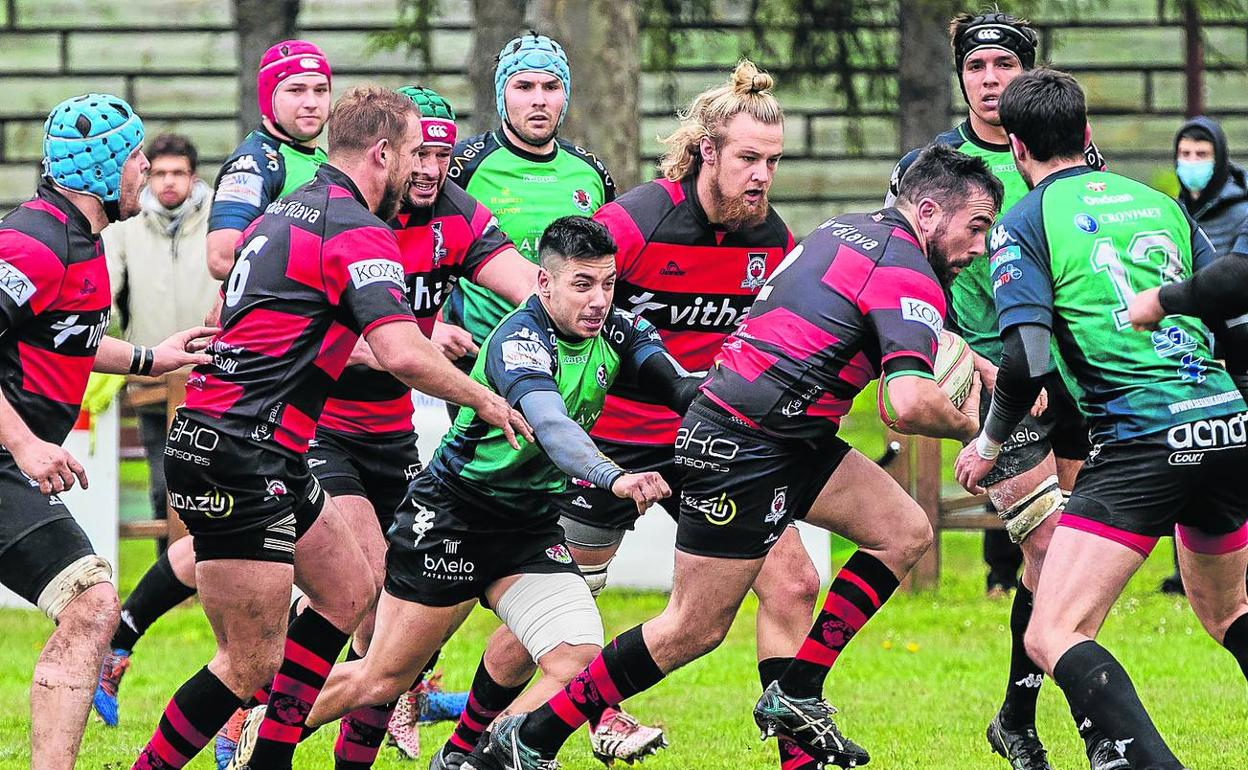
x: 377, y: 467
x: 1192, y: 475
x: 743, y: 487
x: 437, y: 559
x: 239, y: 499
x: 38, y: 536
x: 597, y: 507
x: 1058, y: 430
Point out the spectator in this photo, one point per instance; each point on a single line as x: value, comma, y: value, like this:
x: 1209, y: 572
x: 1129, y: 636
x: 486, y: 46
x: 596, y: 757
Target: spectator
x: 1212, y: 188
x: 159, y: 273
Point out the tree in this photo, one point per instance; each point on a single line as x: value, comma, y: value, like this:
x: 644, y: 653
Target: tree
x: 259, y: 24
x: 494, y: 23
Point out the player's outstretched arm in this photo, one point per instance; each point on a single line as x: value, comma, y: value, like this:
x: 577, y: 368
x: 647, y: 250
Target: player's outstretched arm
x: 663, y: 376
x: 409, y: 355
x: 184, y: 348
x: 573, y: 452
x: 924, y: 409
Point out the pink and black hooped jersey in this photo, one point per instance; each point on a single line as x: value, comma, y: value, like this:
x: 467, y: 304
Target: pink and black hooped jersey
x: 314, y: 273
x: 453, y: 239
x: 856, y: 299
x: 54, y: 307
x: 691, y: 279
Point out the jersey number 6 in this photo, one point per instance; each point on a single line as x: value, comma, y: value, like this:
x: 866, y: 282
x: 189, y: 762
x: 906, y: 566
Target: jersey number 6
x: 242, y: 269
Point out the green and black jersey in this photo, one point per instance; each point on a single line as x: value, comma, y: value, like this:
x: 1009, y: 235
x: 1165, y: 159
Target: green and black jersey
x: 525, y: 192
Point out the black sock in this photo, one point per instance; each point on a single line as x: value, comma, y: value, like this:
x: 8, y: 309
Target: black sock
x: 158, y: 591
x: 198, y: 709
x: 1023, y: 689
x: 624, y: 668
x: 1088, y: 730
x: 1236, y: 641
x: 1098, y: 686
x: 791, y: 755
x: 486, y: 700
x: 857, y: 593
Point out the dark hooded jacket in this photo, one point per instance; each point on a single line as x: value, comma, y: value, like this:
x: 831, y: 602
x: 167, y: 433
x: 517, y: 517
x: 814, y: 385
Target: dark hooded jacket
x: 1221, y: 209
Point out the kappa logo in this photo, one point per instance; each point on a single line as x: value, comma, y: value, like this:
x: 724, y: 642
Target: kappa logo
x: 917, y: 310
x: 369, y: 271
x: 1000, y: 237
x: 244, y: 163
x: 1031, y: 681
x: 755, y: 270
x: 422, y: 522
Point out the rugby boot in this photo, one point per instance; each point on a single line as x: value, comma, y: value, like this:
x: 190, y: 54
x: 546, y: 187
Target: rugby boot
x: 808, y: 723
x: 247, y: 736
x: 447, y: 759
x: 1105, y: 755
x: 620, y: 736
x: 506, y: 748
x: 226, y: 742
x: 116, y: 664
x: 1021, y: 748
x: 403, y: 732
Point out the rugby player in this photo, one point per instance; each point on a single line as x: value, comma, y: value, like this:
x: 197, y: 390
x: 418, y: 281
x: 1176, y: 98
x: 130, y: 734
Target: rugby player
x: 695, y: 248
x: 480, y: 523
x: 54, y: 309
x: 524, y: 173
x: 1167, y: 423
x: 860, y: 298
x: 1040, y: 461
x: 293, y: 92
x: 313, y: 274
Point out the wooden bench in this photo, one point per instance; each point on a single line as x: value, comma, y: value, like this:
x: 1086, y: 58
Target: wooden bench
x: 170, y: 390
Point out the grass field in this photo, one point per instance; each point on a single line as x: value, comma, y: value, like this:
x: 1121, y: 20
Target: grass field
x: 917, y: 686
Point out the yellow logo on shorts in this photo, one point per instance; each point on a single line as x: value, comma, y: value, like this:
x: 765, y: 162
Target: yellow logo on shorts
x: 718, y: 511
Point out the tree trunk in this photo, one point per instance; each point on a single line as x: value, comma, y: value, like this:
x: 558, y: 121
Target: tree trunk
x: 495, y: 22
x: 259, y: 24
x: 601, y: 38
x: 1194, y: 52
x: 923, y: 91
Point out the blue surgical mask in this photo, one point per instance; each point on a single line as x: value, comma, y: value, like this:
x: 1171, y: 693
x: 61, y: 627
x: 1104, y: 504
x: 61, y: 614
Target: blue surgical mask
x: 1194, y: 174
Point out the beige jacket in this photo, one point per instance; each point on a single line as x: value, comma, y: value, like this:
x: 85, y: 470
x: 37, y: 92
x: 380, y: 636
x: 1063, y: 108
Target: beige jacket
x: 160, y: 281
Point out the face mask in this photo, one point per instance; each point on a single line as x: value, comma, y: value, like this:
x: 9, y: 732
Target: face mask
x: 1194, y: 174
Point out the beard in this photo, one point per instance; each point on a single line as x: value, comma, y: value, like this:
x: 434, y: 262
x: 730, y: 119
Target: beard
x: 532, y: 139
x: 734, y: 213
x: 395, y: 191
x: 938, y: 256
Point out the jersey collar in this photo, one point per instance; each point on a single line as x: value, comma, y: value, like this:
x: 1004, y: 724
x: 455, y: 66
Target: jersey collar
x: 968, y: 133
x: 337, y: 176
x: 48, y: 192
x: 501, y: 135
x: 1064, y: 173
x: 283, y: 141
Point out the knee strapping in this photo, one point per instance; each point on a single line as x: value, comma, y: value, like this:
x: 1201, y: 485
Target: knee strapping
x: 595, y: 576
x: 76, y: 578
x: 584, y: 535
x: 545, y: 611
x: 1030, y: 512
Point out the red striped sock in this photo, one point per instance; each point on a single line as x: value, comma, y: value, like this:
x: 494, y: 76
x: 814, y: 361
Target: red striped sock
x: 623, y: 669
x: 859, y: 590
x: 198, y: 709
x: 312, y: 646
x: 360, y: 734
x: 486, y: 700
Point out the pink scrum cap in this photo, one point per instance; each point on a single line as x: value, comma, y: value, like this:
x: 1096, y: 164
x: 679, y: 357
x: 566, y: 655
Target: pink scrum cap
x: 287, y: 59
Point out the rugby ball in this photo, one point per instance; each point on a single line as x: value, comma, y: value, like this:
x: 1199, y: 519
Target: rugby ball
x: 954, y: 370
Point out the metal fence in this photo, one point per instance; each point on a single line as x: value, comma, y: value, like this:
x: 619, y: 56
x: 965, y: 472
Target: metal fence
x: 175, y: 61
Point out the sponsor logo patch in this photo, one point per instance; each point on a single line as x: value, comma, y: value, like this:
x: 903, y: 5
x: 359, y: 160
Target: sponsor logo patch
x: 1004, y: 257
x: 922, y: 312
x: 526, y: 354
x: 15, y: 283
x: 779, y: 505
x: 755, y: 270
x: 582, y: 201
x: 1086, y: 223
x: 1173, y: 341
x: 718, y: 510
x: 370, y: 271
x: 559, y: 553
x: 240, y: 188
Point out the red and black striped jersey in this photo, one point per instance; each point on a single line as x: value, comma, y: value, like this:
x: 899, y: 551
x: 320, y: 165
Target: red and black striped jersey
x: 312, y: 274
x: 857, y: 297
x: 450, y: 240
x: 693, y: 280
x: 54, y: 306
